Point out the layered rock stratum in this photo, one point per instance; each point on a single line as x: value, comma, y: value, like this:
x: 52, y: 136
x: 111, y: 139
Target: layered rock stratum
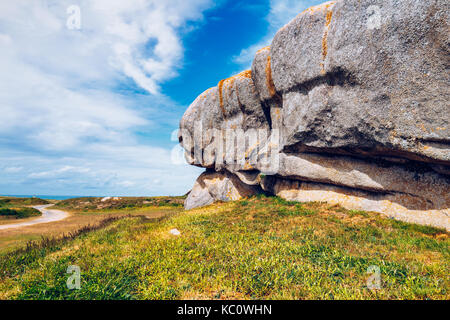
x: 348, y: 105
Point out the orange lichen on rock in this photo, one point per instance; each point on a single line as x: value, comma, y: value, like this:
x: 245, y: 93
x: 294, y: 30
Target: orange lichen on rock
x: 220, y: 87
x: 328, y: 18
x: 322, y: 68
x: 277, y: 113
x: 269, y: 80
x: 263, y: 49
x: 422, y: 127
x: 327, y: 25
x: 229, y: 83
x: 320, y: 7
x: 244, y: 74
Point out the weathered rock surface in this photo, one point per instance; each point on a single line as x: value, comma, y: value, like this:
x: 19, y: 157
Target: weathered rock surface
x: 213, y: 186
x: 348, y: 105
x: 353, y: 86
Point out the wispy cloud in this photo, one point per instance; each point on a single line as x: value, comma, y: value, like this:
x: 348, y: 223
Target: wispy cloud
x: 281, y: 12
x: 12, y: 169
x: 97, y: 170
x: 58, y: 172
x: 66, y: 115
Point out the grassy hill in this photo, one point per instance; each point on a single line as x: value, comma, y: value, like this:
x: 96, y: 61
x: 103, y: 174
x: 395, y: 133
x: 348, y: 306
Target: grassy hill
x: 19, y: 208
x: 19, y: 213
x: 11, y: 201
x: 89, y: 204
x: 258, y: 248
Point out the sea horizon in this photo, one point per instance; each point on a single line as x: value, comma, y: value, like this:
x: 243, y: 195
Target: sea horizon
x: 45, y: 197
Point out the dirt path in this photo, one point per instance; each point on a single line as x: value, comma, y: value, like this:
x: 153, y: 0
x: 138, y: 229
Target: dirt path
x: 47, y: 216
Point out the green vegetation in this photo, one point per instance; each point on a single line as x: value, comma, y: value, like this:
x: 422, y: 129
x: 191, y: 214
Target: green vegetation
x: 20, y: 207
x: 7, y: 202
x: 81, y: 217
x: 257, y: 248
x: 89, y: 204
x: 19, y: 213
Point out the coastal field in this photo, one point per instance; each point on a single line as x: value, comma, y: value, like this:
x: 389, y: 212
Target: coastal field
x: 84, y: 214
x: 256, y: 248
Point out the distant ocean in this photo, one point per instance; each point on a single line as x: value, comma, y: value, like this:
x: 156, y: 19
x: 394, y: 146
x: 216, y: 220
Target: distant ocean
x: 40, y: 196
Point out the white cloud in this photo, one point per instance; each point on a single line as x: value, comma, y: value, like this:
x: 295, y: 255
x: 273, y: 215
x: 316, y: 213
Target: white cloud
x: 281, y: 12
x: 100, y: 170
x: 62, y: 118
x: 58, y: 172
x: 113, y: 33
x: 126, y: 183
x: 12, y: 169
x: 56, y: 84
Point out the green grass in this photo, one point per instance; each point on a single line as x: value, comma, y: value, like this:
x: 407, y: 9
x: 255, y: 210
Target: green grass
x: 18, y: 208
x: 7, y: 202
x: 89, y: 204
x: 257, y: 248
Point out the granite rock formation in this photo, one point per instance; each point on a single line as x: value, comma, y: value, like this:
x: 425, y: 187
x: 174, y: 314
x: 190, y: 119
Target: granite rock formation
x: 348, y: 105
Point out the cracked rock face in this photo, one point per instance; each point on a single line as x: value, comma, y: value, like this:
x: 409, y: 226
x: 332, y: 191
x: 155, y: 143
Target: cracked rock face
x: 348, y: 105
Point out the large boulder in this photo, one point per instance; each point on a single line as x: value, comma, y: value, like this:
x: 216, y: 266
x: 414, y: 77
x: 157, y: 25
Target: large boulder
x: 355, y: 83
x: 348, y: 105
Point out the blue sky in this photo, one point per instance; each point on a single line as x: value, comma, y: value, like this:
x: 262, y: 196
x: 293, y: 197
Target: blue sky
x: 91, y: 111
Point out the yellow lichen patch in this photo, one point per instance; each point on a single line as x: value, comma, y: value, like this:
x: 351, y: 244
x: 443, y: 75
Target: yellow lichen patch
x: 320, y: 7
x: 233, y: 194
x: 393, y: 134
x: 322, y: 68
x: 228, y: 83
x: 329, y: 16
x: 245, y: 74
x: 269, y: 80
x: 312, y: 10
x: 422, y: 127
x: 277, y: 113
x: 324, y: 40
x: 248, y: 166
x: 263, y: 49
x: 220, y: 85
